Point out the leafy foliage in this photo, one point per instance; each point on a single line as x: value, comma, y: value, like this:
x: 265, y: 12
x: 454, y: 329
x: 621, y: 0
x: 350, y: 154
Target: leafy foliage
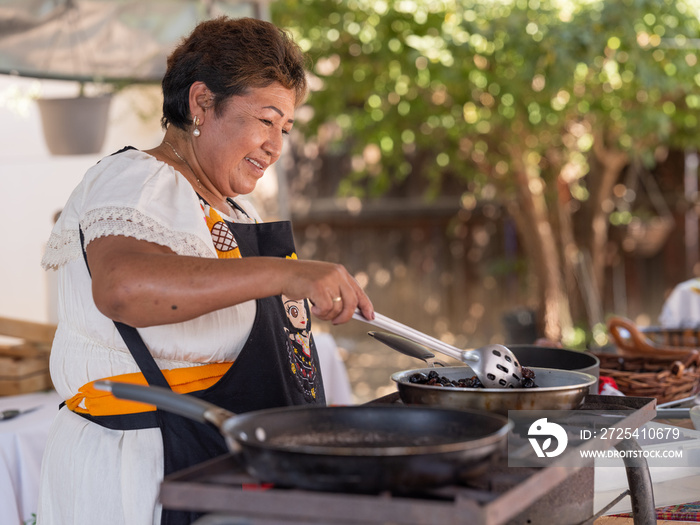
x: 430, y: 89
x: 537, y: 104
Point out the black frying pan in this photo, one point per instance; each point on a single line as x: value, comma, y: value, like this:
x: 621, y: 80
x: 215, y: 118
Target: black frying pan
x: 559, y: 359
x: 367, y: 448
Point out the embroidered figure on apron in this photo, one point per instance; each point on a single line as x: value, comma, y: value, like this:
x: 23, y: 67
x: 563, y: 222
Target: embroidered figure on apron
x: 301, y: 361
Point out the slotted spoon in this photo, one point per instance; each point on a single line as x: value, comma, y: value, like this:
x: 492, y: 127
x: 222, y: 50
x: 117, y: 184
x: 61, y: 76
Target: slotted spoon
x: 495, y: 365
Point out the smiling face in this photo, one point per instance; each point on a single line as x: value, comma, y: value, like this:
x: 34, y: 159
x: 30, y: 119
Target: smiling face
x: 237, y: 146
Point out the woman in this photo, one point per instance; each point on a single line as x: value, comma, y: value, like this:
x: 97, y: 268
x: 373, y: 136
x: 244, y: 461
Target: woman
x: 159, y: 240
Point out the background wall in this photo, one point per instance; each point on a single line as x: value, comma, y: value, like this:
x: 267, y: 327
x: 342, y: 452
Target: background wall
x: 34, y: 185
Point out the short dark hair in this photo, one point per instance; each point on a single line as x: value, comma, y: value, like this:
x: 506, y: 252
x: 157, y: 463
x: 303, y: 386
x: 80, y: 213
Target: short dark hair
x: 230, y: 56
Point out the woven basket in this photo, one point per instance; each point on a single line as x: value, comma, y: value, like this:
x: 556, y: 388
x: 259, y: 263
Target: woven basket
x: 673, y: 337
x: 633, y: 341
x: 664, y: 378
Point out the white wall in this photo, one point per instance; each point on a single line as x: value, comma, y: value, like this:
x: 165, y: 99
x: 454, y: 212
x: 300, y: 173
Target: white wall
x: 34, y: 185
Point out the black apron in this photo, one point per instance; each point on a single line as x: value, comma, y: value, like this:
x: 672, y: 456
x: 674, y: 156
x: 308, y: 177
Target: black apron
x: 278, y: 366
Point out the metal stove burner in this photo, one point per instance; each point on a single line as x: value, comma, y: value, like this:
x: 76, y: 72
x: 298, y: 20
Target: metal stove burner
x: 226, y: 495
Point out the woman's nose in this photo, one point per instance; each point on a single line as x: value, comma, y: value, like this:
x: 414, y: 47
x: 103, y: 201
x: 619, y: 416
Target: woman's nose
x: 274, y: 143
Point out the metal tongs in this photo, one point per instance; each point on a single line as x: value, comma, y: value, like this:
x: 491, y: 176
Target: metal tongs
x: 407, y: 347
x: 495, y: 365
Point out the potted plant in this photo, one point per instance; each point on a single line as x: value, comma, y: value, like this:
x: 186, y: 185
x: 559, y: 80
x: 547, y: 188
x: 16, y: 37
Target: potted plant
x: 75, y: 125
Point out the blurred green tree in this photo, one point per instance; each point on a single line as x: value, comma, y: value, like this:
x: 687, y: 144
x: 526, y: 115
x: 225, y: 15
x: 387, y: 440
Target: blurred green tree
x: 539, y: 104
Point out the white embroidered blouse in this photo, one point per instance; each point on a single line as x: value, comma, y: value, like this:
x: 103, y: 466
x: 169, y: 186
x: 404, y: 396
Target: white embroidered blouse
x: 89, y: 471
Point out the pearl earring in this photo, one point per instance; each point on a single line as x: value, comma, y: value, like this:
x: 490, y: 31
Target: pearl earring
x: 196, y: 131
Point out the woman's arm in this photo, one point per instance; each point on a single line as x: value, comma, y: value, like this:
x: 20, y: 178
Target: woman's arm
x: 144, y: 284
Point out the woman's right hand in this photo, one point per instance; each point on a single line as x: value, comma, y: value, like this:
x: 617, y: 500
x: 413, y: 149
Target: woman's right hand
x: 332, y: 291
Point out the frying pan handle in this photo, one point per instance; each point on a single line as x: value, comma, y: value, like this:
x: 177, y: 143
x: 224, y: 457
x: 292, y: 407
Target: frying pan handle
x: 165, y: 399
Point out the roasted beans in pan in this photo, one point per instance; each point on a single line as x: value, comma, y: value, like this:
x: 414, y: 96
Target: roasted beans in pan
x: 432, y: 378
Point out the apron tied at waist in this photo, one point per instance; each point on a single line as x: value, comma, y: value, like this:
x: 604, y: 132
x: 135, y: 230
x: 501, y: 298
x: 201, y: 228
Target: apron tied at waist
x: 93, y: 402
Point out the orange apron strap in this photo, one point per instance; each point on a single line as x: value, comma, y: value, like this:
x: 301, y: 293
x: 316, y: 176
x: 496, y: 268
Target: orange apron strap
x: 95, y: 402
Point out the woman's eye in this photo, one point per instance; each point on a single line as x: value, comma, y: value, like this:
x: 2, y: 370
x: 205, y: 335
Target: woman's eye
x: 269, y: 123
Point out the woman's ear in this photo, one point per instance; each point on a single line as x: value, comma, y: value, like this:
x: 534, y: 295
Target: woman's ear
x: 201, y: 98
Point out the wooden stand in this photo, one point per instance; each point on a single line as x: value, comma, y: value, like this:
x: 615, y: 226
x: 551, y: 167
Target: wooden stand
x: 24, y: 366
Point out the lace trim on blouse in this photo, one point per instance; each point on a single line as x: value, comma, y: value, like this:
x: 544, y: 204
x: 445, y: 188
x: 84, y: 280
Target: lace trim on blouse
x: 61, y: 248
x: 64, y: 247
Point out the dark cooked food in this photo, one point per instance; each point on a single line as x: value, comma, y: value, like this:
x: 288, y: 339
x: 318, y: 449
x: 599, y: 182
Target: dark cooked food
x: 432, y: 378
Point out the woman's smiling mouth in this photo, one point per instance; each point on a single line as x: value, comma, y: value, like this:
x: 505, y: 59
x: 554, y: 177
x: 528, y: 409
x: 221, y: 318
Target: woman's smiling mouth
x: 255, y: 163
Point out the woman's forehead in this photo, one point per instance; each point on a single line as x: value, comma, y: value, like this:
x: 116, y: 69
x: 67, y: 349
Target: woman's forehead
x: 274, y: 97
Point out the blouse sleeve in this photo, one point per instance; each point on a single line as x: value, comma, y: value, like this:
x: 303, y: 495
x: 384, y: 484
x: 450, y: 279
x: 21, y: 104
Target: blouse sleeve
x: 134, y: 195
